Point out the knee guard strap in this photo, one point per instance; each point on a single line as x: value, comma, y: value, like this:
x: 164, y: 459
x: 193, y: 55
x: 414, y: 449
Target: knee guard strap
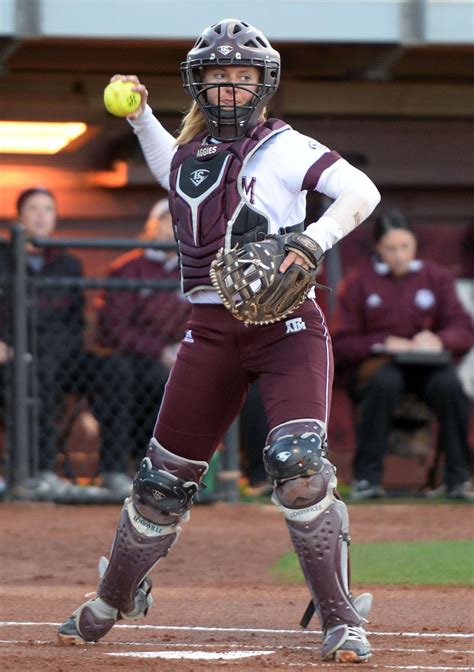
x: 147, y: 528
x: 304, y: 489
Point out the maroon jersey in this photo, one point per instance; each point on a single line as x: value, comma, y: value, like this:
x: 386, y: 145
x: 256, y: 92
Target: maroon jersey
x: 374, y: 304
x: 146, y: 320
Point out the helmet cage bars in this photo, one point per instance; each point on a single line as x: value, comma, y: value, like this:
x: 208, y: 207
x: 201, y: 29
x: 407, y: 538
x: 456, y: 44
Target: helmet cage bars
x: 231, y: 43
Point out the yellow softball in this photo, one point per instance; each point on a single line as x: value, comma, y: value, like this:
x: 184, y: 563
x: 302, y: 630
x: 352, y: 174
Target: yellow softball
x: 120, y: 99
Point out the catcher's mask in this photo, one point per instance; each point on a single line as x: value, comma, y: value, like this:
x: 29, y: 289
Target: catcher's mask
x: 231, y: 42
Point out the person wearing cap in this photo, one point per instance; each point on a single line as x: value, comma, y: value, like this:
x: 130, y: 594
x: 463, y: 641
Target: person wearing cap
x: 397, y: 303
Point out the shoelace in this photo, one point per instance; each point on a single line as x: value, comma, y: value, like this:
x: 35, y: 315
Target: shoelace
x: 357, y: 634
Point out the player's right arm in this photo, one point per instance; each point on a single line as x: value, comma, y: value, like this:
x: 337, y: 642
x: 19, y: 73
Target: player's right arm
x: 157, y: 144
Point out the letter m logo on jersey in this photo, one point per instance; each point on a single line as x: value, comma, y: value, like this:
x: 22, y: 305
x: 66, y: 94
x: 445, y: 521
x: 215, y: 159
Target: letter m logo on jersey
x: 249, y: 187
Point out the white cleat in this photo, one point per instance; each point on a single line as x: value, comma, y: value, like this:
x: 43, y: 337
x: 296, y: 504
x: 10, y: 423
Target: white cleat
x: 346, y: 644
x: 363, y: 603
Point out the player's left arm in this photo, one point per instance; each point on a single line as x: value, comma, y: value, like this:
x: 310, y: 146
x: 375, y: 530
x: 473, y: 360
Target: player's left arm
x: 304, y: 164
x: 355, y: 198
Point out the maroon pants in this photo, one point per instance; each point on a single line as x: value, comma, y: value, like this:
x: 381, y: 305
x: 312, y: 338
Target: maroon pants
x: 219, y: 358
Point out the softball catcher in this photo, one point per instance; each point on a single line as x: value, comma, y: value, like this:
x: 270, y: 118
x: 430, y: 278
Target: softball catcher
x: 237, y: 183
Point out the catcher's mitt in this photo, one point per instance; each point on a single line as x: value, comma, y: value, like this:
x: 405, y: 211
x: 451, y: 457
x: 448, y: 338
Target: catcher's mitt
x: 249, y: 283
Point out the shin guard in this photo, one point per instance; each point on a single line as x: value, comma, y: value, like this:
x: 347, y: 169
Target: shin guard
x: 138, y: 545
x: 304, y: 484
x: 149, y: 524
x: 321, y: 539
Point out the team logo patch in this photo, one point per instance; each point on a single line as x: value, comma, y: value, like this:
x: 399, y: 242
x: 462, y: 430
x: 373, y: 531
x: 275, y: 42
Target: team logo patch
x: 188, y: 336
x: 424, y: 298
x: 283, y: 456
x: 157, y: 494
x: 294, y: 325
x: 314, y: 144
x: 199, y: 175
x: 225, y: 49
x: 373, y: 300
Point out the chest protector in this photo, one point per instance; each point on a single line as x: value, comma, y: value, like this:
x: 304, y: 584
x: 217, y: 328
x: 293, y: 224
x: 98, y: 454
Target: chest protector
x: 208, y: 202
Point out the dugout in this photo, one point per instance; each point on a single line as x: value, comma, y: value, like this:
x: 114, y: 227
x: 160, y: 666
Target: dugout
x: 387, y: 84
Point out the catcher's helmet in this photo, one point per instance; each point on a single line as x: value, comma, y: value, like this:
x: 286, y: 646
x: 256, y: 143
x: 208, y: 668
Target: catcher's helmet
x: 231, y: 42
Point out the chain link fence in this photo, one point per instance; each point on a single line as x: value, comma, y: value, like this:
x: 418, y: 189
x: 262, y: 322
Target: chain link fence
x: 83, y: 365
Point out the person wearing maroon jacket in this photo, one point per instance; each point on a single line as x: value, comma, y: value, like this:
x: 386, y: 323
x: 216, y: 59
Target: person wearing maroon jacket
x: 397, y: 304
x: 55, y: 331
x: 139, y: 333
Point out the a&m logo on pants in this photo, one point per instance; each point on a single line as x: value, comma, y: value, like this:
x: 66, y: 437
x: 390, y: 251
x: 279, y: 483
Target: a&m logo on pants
x: 296, y: 324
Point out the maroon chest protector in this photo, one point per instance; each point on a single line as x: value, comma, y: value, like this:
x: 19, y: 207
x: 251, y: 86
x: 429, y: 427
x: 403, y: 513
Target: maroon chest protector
x: 208, y: 204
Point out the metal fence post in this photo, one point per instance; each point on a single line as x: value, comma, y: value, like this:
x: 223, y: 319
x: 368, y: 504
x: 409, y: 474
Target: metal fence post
x: 20, y: 462
x: 229, y: 474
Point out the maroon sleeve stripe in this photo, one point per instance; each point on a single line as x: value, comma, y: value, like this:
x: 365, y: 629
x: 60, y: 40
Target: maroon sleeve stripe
x: 315, y: 171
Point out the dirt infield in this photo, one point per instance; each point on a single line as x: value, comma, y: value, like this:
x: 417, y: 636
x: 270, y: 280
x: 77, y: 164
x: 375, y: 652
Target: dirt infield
x: 217, y: 605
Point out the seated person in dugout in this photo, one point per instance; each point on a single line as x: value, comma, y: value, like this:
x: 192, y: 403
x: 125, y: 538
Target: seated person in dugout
x: 55, y: 330
x: 397, y: 303
x: 139, y: 332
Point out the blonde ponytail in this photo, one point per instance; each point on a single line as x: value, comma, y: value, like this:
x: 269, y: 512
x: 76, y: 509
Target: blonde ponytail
x: 192, y: 124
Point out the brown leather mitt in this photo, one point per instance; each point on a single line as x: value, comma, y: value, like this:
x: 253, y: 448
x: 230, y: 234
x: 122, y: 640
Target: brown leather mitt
x: 249, y: 284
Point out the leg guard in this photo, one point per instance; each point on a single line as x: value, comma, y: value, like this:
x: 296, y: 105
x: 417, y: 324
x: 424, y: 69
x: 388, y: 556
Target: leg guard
x: 304, y: 484
x: 163, y: 492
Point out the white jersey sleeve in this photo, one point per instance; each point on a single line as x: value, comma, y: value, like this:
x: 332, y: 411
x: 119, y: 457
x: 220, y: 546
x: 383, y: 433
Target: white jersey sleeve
x: 355, y: 197
x: 157, y: 144
x: 301, y: 160
x: 304, y: 164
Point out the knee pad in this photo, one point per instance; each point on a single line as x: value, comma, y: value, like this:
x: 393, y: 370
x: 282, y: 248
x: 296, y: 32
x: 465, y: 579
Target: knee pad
x: 295, y: 449
x: 295, y: 459
x: 304, y: 483
x: 165, y: 485
x: 163, y: 492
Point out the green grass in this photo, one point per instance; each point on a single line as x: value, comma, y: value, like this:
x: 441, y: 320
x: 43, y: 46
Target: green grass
x: 400, y: 562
